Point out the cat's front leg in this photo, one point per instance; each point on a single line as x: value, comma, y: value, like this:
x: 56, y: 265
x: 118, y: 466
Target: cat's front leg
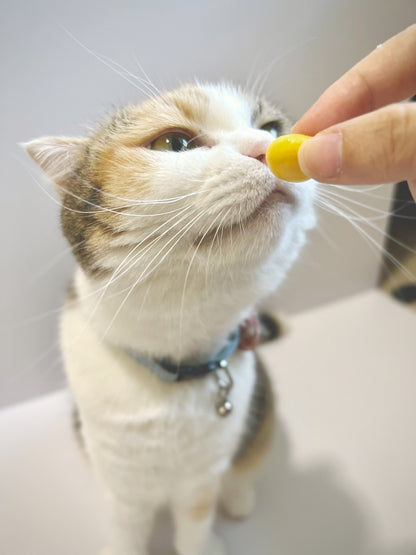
x: 193, y: 513
x: 238, y: 495
x: 130, y: 527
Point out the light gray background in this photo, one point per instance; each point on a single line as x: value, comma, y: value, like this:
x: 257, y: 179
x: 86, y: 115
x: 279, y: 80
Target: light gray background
x: 50, y: 85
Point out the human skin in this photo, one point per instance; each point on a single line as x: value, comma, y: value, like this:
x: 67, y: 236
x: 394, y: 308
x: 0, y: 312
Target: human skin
x: 362, y: 133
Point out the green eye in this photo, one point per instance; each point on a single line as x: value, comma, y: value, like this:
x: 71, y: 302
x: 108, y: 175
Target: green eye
x: 172, y: 141
x: 273, y: 127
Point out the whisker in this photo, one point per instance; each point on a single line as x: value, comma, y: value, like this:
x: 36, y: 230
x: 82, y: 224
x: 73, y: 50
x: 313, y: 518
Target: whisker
x: 100, y: 209
x: 367, y: 190
x: 34, y: 363
x: 117, y: 274
x: 181, y: 312
x: 148, y: 80
x: 334, y: 246
x: 108, y: 63
x: 262, y: 77
x: 143, y: 276
x: 212, y: 246
x: 62, y: 254
x: 250, y: 80
x: 141, y: 84
x: 139, y: 202
x: 55, y: 344
x: 39, y: 317
x: 357, y: 217
x: 185, y: 211
x: 369, y: 238
x: 328, y: 193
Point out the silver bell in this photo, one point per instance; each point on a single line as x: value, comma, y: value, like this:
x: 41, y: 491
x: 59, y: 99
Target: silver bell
x: 224, y: 407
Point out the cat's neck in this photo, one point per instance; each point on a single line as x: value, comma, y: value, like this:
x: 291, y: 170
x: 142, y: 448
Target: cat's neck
x: 160, y: 319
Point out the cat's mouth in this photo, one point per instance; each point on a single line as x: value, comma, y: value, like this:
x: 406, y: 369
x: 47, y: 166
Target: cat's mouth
x: 279, y: 195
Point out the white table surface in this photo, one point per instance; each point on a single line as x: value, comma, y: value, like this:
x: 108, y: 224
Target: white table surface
x: 341, y: 479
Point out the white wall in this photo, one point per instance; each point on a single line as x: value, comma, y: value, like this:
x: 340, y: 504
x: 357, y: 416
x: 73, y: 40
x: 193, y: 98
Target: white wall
x: 50, y: 85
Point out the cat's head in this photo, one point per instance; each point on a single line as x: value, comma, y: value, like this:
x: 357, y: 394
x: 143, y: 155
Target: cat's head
x: 178, y: 178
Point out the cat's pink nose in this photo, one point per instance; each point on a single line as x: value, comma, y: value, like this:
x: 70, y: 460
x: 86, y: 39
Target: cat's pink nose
x: 252, y: 143
x: 258, y: 149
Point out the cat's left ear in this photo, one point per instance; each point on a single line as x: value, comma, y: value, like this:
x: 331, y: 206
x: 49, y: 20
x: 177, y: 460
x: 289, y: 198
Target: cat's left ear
x: 57, y: 156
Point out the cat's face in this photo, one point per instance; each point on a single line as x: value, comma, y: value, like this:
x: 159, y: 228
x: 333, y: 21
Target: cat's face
x: 178, y: 178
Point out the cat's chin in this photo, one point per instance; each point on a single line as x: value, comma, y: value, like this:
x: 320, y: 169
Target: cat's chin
x: 263, y: 219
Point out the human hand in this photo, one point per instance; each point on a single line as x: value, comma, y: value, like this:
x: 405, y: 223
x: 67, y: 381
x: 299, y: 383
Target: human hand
x: 362, y: 137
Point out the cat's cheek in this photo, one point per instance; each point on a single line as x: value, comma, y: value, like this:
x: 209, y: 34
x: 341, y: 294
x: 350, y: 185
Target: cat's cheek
x: 303, y: 195
x: 310, y: 220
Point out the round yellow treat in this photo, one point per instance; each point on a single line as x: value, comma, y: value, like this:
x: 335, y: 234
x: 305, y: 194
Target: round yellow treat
x: 282, y: 157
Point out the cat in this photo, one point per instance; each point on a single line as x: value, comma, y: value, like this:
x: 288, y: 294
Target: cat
x: 179, y: 230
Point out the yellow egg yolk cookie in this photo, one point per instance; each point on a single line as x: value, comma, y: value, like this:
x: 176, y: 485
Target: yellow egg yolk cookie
x: 282, y: 157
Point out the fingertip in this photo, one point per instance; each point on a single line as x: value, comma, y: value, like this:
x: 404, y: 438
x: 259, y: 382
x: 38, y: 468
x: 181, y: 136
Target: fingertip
x: 305, y: 126
x: 295, y: 128
x: 320, y: 157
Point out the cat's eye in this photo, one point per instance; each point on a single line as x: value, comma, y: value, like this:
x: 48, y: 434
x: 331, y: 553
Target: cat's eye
x: 273, y: 127
x: 172, y: 141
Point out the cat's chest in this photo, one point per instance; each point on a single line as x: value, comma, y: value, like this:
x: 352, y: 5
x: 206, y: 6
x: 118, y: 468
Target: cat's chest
x: 129, y: 414
x: 172, y: 431
x: 131, y: 402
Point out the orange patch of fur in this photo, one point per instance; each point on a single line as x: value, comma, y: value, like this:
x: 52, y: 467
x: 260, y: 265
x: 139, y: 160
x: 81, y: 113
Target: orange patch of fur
x: 124, y: 172
x: 122, y: 165
x: 206, y: 501
x: 260, y: 444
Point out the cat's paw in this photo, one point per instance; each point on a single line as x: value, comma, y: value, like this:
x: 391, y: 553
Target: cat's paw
x: 239, y: 503
x: 214, y: 546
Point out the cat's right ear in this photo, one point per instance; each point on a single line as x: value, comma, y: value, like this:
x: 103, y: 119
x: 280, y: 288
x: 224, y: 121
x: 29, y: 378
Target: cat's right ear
x: 57, y: 156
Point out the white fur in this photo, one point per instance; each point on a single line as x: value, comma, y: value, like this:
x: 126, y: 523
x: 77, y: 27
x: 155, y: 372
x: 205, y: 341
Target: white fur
x: 155, y: 443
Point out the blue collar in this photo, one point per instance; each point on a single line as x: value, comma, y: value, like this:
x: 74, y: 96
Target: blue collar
x: 170, y: 372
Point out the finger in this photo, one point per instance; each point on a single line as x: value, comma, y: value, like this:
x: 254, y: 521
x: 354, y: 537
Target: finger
x: 379, y: 147
x: 386, y: 75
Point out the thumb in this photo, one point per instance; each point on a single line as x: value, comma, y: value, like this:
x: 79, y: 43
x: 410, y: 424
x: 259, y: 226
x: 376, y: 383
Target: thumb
x: 379, y: 147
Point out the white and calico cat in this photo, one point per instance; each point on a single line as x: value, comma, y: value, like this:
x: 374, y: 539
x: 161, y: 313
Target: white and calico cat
x: 179, y: 229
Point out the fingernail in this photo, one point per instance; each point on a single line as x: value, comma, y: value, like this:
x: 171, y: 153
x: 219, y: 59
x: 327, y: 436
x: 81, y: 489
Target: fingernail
x: 321, y: 157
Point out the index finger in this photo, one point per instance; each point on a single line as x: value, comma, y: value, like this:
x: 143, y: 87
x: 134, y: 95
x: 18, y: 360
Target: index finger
x: 386, y: 75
